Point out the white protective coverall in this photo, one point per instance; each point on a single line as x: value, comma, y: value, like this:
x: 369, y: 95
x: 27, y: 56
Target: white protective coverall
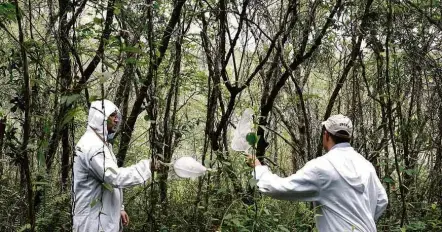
x: 342, y: 184
x: 98, y: 181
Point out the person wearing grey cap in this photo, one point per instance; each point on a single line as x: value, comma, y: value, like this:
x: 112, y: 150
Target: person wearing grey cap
x: 342, y: 184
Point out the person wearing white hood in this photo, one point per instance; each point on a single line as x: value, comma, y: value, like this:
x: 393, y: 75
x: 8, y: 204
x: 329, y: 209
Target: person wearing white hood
x: 98, y: 181
x: 343, y: 185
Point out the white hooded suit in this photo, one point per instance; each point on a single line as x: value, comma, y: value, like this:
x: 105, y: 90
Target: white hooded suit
x: 98, y: 181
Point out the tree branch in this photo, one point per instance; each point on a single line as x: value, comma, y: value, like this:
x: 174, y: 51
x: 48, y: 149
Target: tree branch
x: 100, y: 50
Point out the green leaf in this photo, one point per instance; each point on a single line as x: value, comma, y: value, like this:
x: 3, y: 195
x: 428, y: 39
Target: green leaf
x: 236, y: 222
x: 131, y: 49
x: 7, y: 10
x: 26, y: 227
x: 253, y: 182
x: 282, y: 228
x: 107, y: 64
x: 410, y: 172
x: 94, y: 202
x: 131, y: 60
x: 228, y: 216
x: 69, y: 99
x: 108, y: 187
x: 251, y: 138
x: 388, y: 180
x: 433, y: 206
x: 41, y: 159
x: 117, y: 9
x: 47, y: 128
x: 156, y: 5
x: 98, y: 20
x: 71, y: 114
x: 41, y: 183
x: 266, y: 211
x: 94, y: 98
x: 227, y: 163
x: 311, y: 96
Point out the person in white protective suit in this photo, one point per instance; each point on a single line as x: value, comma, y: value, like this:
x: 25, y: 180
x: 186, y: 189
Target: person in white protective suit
x: 343, y: 185
x: 98, y: 181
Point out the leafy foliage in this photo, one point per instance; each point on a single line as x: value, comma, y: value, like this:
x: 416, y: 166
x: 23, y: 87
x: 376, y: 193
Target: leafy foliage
x: 183, y: 71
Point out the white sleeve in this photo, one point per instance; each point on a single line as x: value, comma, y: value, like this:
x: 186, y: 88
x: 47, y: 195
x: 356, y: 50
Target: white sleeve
x: 302, y: 186
x: 382, y: 200
x: 106, y: 169
x: 121, y: 197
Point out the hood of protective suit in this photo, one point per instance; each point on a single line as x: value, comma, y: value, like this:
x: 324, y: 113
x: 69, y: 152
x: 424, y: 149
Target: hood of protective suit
x: 350, y: 165
x: 98, y: 115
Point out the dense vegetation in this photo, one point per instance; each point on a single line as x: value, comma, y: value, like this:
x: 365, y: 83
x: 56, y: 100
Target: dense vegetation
x: 183, y: 71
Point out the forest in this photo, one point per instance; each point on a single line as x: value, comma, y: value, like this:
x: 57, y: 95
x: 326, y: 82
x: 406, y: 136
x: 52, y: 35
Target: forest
x: 183, y: 71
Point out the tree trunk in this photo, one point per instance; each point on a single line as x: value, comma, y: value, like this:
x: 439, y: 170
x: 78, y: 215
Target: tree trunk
x: 390, y: 116
x: 24, y: 159
x: 65, y: 73
x: 65, y: 158
x: 2, y: 137
x: 128, y: 127
x: 169, y: 118
x: 298, y: 60
x: 353, y: 55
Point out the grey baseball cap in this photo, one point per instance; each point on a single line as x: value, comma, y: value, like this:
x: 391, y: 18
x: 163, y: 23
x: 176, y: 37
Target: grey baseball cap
x: 339, y: 122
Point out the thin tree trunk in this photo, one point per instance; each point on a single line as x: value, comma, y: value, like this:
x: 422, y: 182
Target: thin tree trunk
x: 2, y: 137
x: 304, y: 128
x: 129, y: 71
x: 434, y: 196
x: 65, y: 157
x: 65, y: 73
x: 169, y: 119
x: 65, y: 78
x: 24, y: 159
x: 389, y: 114
x: 210, y: 116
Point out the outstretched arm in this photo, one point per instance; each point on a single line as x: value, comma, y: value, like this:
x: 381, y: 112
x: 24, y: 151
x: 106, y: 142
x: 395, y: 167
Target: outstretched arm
x: 106, y: 169
x: 304, y: 185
